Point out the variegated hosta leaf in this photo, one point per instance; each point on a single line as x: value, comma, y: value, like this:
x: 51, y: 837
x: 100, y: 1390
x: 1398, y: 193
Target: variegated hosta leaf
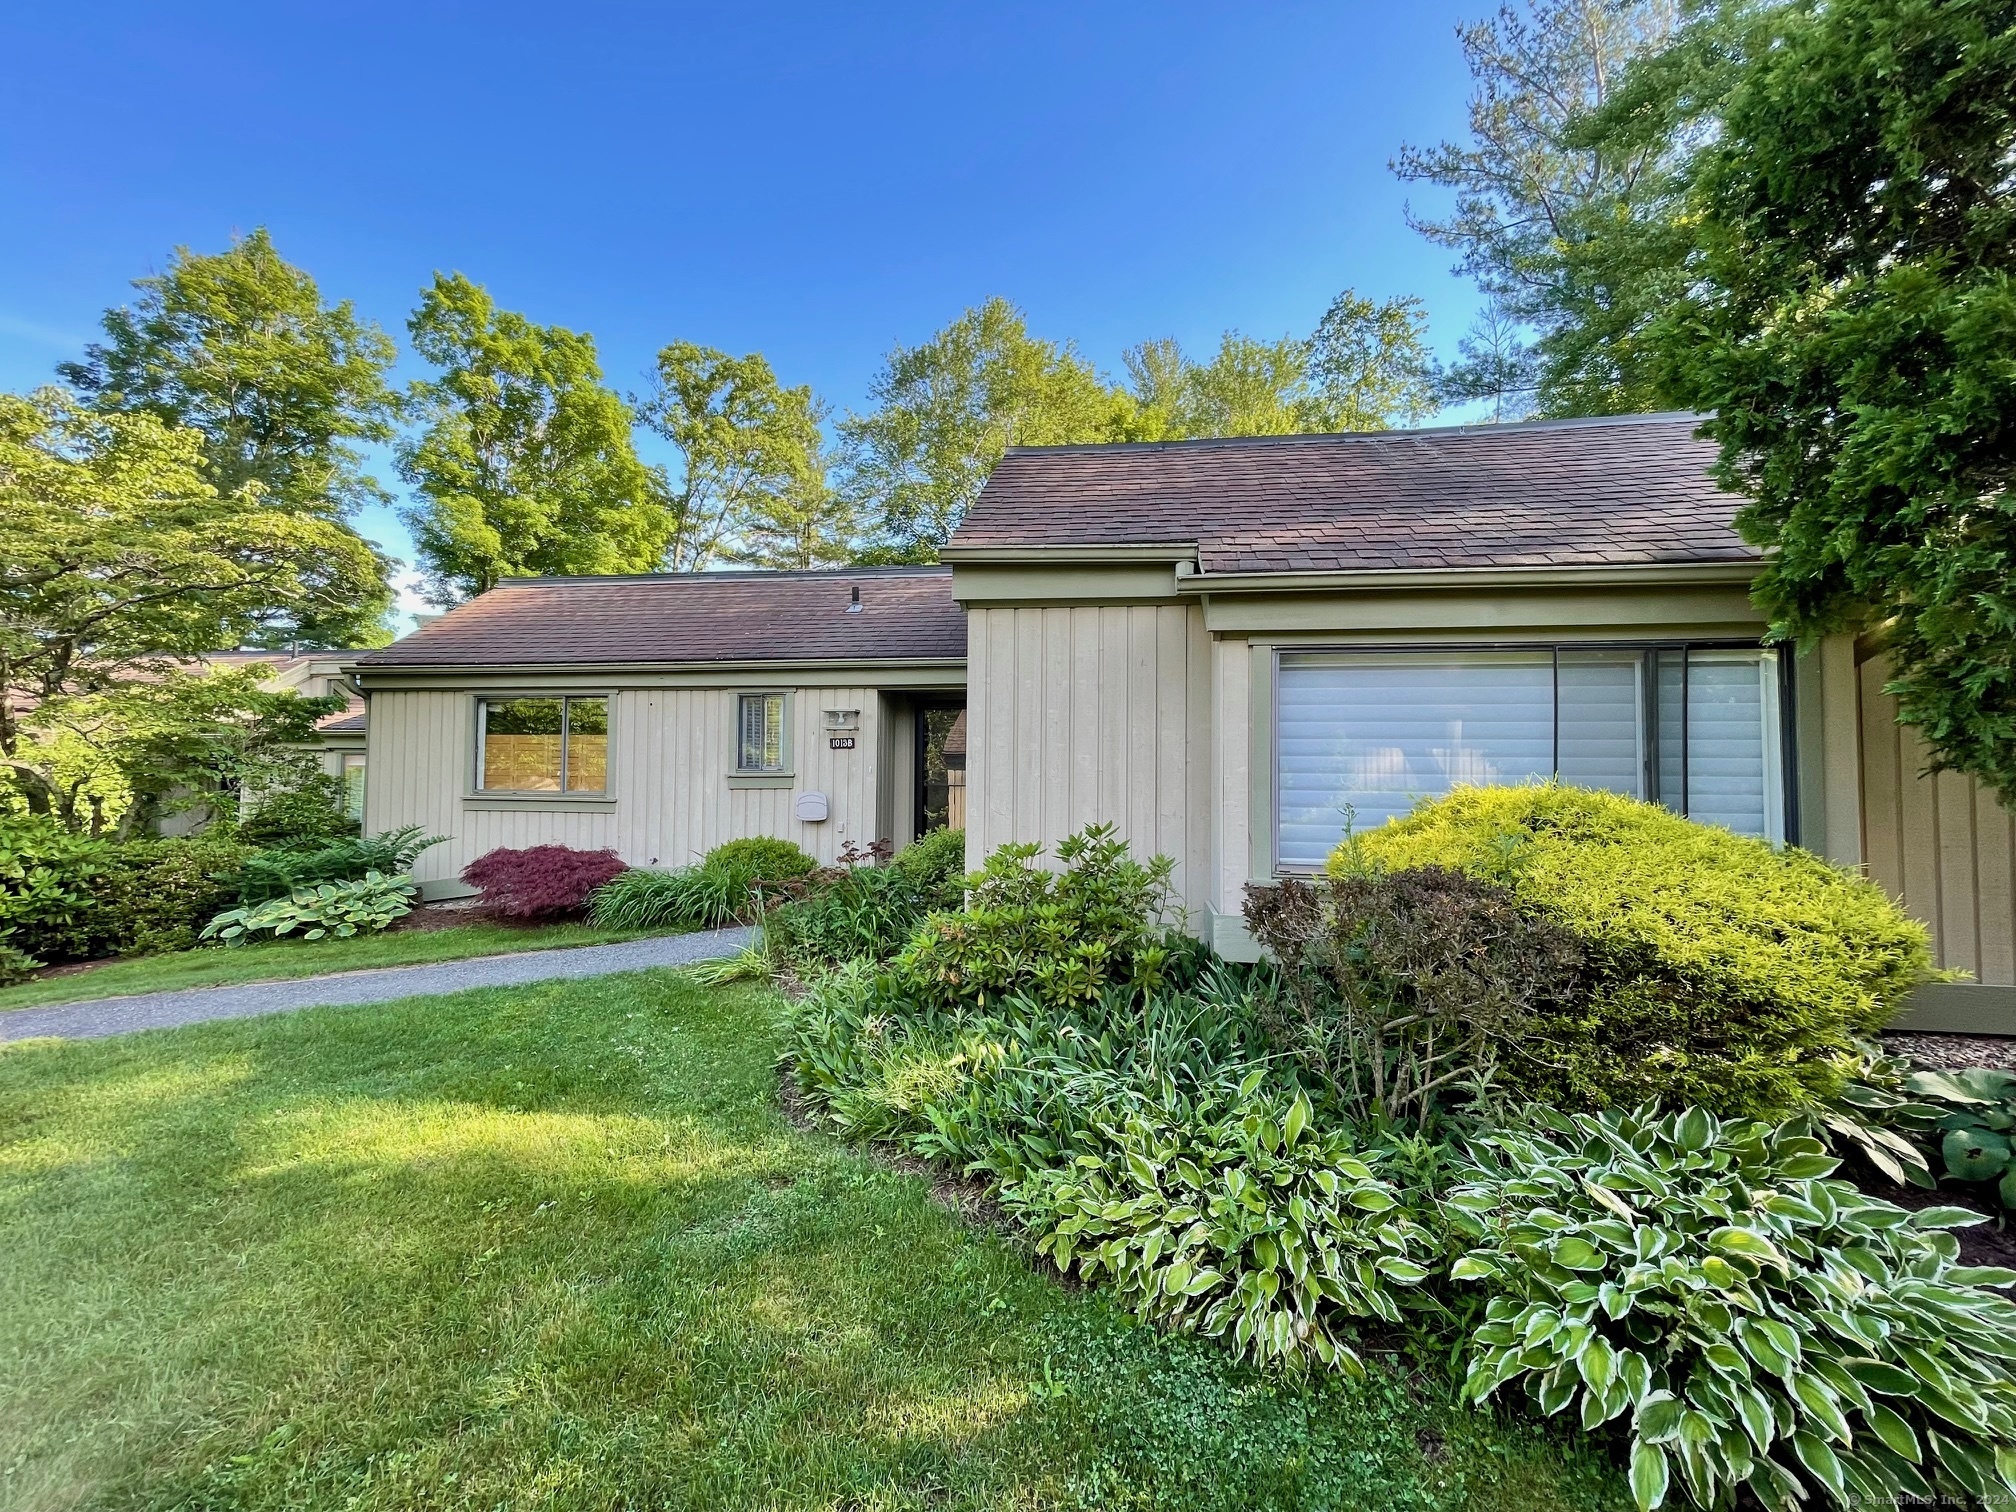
x: 1755, y: 1323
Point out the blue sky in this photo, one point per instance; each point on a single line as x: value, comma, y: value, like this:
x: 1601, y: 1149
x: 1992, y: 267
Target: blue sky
x: 814, y: 182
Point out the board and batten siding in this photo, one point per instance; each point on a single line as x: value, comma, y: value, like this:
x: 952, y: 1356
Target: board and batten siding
x: 1089, y: 715
x: 1939, y: 844
x: 672, y: 752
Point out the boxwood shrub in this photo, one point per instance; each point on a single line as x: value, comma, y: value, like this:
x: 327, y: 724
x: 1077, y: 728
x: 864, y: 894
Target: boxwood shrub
x: 1723, y: 972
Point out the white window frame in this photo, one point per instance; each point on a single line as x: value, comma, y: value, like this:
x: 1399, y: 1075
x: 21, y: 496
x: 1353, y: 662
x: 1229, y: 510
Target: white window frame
x: 550, y: 795
x: 1780, y: 785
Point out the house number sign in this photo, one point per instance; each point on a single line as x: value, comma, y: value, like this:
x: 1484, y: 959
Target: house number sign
x: 840, y: 742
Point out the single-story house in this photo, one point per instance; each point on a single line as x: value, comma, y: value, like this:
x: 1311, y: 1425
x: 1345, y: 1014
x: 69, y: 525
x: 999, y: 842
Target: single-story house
x: 1232, y: 649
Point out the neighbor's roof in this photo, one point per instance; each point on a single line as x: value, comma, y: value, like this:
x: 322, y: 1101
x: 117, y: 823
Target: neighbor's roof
x: 907, y: 614
x: 1614, y: 491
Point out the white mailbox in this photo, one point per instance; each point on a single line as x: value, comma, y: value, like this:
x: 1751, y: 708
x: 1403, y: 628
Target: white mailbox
x: 811, y: 808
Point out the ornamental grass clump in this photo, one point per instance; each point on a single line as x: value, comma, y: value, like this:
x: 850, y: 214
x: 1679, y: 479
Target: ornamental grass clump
x: 1717, y: 971
x: 1749, y: 1322
x: 727, y: 886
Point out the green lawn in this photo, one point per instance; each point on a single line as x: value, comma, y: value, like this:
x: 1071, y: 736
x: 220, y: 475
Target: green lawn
x: 554, y: 1247
x: 276, y: 960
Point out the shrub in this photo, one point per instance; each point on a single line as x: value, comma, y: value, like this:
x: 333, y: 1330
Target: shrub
x: 49, y: 885
x: 1721, y: 972
x: 341, y: 909
x: 1402, y: 991
x: 854, y: 910
x: 281, y: 870
x: 1063, y: 936
x: 67, y: 897
x: 542, y: 881
x: 311, y: 811
x: 759, y: 858
x: 1758, y: 1325
x: 16, y: 966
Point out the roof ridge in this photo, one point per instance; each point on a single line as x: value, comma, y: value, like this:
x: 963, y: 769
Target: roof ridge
x: 1486, y: 427
x: 731, y: 575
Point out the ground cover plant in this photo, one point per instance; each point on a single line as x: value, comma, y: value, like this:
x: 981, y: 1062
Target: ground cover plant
x: 555, y: 1245
x: 540, y: 881
x: 339, y: 909
x: 283, y: 960
x: 867, y: 906
x: 1341, y: 1146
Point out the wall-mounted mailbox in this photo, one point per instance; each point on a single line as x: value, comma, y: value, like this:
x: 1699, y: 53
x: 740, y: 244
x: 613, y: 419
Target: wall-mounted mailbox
x: 811, y: 808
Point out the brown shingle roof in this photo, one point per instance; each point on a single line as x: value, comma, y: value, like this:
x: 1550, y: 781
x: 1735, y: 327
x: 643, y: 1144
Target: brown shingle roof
x: 1629, y: 490
x: 906, y: 614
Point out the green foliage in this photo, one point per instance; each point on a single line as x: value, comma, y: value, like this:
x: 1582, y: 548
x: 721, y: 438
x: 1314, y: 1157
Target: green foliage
x: 726, y: 887
x: 1237, y: 1219
x: 16, y: 966
x: 1841, y: 310
x: 525, y: 464
x: 65, y: 897
x: 1531, y: 192
x: 123, y: 559
x: 1406, y: 991
x: 945, y: 412
x: 1060, y: 936
x: 239, y: 347
x: 1927, y: 1123
x: 341, y: 909
x: 1755, y: 1324
x: 857, y: 910
x: 310, y: 811
x: 752, y: 469
x: 1720, y: 972
x: 276, y: 872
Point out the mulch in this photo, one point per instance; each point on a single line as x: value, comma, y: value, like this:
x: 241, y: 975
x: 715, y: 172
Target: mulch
x: 1955, y: 1052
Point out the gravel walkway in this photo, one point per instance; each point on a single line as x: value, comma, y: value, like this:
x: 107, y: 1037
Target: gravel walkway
x: 193, y: 1005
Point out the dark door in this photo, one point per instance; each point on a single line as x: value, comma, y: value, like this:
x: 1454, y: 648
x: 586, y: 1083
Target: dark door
x: 941, y: 766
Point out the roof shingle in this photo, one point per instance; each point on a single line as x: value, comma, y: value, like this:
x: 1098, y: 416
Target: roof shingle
x: 906, y: 614
x: 1625, y: 491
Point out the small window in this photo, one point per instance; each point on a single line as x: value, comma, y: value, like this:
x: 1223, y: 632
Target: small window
x: 760, y: 732
x: 353, y: 788
x: 545, y: 745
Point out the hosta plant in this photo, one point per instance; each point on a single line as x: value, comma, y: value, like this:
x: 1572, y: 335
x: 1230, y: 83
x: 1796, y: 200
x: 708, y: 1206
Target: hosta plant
x: 340, y: 909
x: 1752, y: 1324
x: 1932, y: 1123
x: 1242, y: 1221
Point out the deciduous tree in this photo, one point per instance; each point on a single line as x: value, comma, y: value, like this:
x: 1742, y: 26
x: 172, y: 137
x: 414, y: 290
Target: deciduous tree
x: 525, y: 463
x: 240, y: 347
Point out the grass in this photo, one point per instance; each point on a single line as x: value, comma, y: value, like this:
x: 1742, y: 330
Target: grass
x: 554, y: 1247
x: 279, y: 960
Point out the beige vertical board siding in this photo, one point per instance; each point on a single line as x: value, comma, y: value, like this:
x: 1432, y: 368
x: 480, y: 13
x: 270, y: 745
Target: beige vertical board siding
x: 1231, y: 729
x: 1089, y: 715
x: 672, y: 750
x: 1940, y: 844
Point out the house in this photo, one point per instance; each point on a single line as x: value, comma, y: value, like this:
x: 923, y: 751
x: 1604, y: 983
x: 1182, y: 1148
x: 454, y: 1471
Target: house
x: 1232, y: 649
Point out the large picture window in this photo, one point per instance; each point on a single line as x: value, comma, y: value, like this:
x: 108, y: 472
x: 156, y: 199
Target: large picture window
x: 760, y: 732
x: 1361, y: 737
x: 544, y: 745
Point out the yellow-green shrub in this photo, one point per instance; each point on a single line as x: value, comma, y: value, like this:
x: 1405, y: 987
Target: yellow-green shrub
x: 1728, y: 974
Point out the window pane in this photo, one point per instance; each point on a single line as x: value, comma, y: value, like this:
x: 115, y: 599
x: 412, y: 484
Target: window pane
x: 353, y: 788
x: 587, y: 745
x: 1733, y: 772
x: 1375, y: 734
x: 762, y: 737
x: 521, y: 745
x: 1672, y: 727
x: 1602, y: 720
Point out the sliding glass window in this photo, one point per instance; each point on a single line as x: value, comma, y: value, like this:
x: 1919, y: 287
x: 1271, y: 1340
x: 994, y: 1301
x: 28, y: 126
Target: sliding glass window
x: 1361, y: 737
x: 544, y: 745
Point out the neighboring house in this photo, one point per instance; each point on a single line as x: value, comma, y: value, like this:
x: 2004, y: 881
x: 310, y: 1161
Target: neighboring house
x: 1230, y: 649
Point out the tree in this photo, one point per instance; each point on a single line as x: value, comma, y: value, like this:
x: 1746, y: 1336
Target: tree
x: 752, y: 477
x: 1843, y: 305
x: 240, y: 347
x: 1531, y: 187
x: 1493, y: 365
x: 945, y: 412
x: 525, y: 465
x: 1369, y: 365
x: 122, y: 560
x: 1248, y: 388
